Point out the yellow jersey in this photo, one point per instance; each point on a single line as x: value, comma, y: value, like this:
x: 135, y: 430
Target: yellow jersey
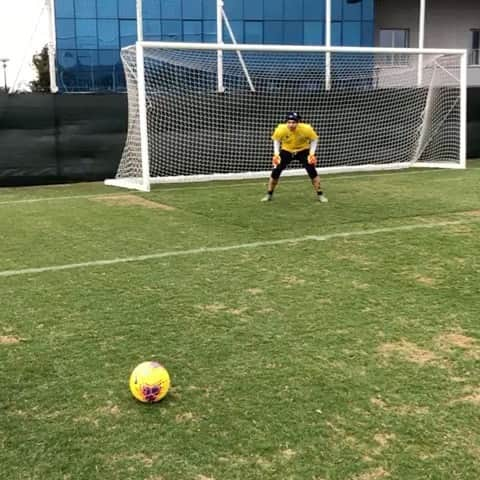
x: 297, y: 140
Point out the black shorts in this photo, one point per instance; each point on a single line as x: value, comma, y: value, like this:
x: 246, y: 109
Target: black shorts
x: 288, y: 157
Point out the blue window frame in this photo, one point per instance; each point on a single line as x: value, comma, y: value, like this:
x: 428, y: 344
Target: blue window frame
x: 293, y: 33
x: 86, y: 29
x: 85, y: 8
x: 314, y: 10
x: 127, y: 9
x: 313, y: 33
x: 171, y: 9
x: 108, y: 36
x: 192, y: 30
x: 273, y: 32
x: 64, y: 8
x: 107, y: 9
x: 152, y: 30
x: 192, y: 9
x: 65, y: 33
x: 151, y: 9
x: 172, y: 30
x: 253, y: 32
x: 128, y: 32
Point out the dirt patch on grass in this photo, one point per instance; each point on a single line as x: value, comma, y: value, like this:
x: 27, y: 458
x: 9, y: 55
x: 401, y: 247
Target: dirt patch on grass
x: 293, y: 280
x: 472, y: 213
x: 376, y: 474
x: 449, y: 340
x: 472, y: 396
x: 131, y: 200
x: 399, y: 409
x: 407, y: 351
x: 425, y: 280
x: 9, y: 339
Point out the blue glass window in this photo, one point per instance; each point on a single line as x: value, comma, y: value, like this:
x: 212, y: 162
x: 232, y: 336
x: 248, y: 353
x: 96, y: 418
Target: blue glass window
x: 293, y: 34
x: 237, y: 27
x: 352, y: 11
x: 64, y: 8
x: 253, y: 9
x: 209, y: 9
x: 128, y: 32
x: 172, y: 30
x: 109, y: 73
x: 65, y: 33
x: 273, y: 10
x: 108, y: 57
x: 151, y: 9
x: 314, y: 10
x: 209, y: 31
x: 67, y: 58
x: 127, y: 9
x: 368, y: 9
x: 352, y: 34
x: 337, y: 10
x: 87, y: 58
x: 192, y: 9
x: 294, y: 10
x: 85, y: 9
x: 234, y: 10
x: 273, y: 32
x: 107, y: 9
x: 253, y: 32
x: 108, y: 34
x: 313, y: 33
x: 336, y: 33
x: 171, y: 9
x: 86, y: 33
x: 152, y: 30
x: 192, y: 30
x: 367, y: 34
x: 67, y: 64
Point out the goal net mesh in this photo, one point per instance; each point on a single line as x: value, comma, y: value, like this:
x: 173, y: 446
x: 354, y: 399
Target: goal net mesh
x: 375, y: 111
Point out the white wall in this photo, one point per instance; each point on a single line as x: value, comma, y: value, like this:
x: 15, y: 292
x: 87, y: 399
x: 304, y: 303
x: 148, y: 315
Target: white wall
x: 447, y: 23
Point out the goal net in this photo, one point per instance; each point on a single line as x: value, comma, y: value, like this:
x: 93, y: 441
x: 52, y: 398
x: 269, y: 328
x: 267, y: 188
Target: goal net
x: 195, y: 114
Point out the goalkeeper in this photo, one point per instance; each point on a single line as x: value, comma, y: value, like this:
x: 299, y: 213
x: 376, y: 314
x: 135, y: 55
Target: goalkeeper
x: 294, y: 140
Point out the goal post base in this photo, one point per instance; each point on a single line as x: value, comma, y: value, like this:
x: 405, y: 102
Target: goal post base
x: 128, y: 182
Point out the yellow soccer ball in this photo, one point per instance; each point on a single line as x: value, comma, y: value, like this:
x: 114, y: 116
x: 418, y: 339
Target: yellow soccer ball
x: 149, y: 382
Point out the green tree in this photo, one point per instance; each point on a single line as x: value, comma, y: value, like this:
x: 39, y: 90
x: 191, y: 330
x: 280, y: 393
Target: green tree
x: 40, y: 63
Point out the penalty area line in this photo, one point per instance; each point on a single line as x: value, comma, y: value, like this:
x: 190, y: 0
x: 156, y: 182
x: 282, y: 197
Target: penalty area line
x: 226, y: 248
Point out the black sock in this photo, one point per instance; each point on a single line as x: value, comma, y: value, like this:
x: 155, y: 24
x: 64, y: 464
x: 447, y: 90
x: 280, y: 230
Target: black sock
x: 270, y: 192
x: 319, y: 193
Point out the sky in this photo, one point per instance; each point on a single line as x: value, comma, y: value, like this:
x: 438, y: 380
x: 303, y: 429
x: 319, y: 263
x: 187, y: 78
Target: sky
x: 18, y: 41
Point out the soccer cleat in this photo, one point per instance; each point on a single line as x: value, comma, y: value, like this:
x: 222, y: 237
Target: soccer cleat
x: 322, y: 199
x: 266, y: 198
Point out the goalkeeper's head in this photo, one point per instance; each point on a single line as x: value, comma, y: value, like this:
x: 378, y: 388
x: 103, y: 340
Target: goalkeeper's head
x: 292, y: 120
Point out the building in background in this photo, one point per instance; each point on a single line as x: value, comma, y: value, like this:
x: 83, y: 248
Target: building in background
x: 90, y: 33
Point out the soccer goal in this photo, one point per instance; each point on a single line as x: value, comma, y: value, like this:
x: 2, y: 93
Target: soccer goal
x: 203, y: 111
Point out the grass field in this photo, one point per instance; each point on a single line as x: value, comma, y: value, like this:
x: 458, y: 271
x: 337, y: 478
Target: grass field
x: 335, y: 341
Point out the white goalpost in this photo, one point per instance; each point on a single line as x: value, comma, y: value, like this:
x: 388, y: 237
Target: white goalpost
x: 205, y: 111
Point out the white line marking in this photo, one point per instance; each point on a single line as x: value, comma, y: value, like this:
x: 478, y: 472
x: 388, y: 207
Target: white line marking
x: 219, y: 185
x: 196, y: 251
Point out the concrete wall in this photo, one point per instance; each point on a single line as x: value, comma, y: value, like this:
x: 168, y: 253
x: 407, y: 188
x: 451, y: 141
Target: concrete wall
x: 447, y: 24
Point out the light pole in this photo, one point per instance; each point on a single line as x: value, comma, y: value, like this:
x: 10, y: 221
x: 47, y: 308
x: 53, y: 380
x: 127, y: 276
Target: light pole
x: 4, y: 61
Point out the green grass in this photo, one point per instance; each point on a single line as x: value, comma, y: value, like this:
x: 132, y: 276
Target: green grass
x: 346, y: 357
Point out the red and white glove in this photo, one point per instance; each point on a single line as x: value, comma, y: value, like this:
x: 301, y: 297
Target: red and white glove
x: 312, y: 159
x: 275, y: 160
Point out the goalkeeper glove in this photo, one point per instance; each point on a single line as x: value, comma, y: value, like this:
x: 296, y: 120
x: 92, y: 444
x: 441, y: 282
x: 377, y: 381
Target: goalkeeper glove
x: 312, y: 159
x: 275, y: 160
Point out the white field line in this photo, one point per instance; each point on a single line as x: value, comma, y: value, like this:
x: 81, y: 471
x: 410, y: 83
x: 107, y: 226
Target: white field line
x: 197, y: 251
x: 215, y: 185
